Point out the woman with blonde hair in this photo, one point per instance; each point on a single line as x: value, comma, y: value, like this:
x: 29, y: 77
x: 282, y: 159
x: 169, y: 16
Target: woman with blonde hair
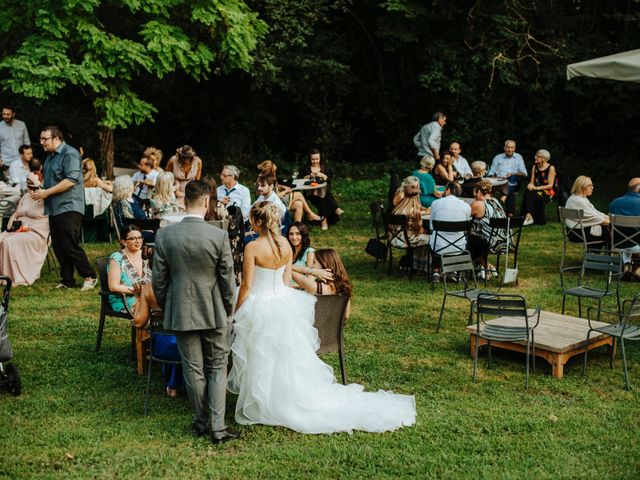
x: 592, y: 219
x: 163, y: 198
x: 217, y: 210
x: 410, y: 206
x: 90, y: 178
x: 276, y: 373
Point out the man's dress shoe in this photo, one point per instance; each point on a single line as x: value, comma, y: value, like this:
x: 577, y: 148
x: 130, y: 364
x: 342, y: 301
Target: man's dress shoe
x: 222, y: 436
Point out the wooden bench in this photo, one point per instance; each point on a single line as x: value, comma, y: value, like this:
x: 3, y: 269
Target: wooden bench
x: 557, y: 338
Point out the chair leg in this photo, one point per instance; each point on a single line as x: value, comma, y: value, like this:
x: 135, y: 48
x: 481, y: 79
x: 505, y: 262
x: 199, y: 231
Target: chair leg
x: 100, y: 329
x: 343, y: 369
x: 470, y: 313
x: 475, y: 359
x: 441, y: 311
x: 580, y: 307
x: 533, y: 352
x: 564, y: 297
x: 146, y: 395
x: 489, y: 354
x: 133, y: 342
x: 612, y: 351
x: 624, y: 364
x: 526, y: 375
x: 586, y: 353
x: 390, y: 258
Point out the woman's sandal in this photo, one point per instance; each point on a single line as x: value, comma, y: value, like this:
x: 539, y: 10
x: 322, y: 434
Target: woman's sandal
x: 171, y: 392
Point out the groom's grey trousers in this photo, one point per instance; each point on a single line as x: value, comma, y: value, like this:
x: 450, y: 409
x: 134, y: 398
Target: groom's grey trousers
x: 204, y: 364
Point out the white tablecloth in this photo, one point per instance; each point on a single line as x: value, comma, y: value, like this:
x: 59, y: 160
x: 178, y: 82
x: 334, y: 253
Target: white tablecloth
x: 171, y: 219
x: 98, y: 198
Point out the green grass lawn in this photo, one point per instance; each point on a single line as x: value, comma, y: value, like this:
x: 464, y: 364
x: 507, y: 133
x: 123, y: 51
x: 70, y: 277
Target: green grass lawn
x: 81, y: 412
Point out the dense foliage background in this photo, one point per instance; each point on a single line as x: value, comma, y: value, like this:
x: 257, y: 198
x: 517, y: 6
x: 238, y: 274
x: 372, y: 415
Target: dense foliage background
x: 357, y: 79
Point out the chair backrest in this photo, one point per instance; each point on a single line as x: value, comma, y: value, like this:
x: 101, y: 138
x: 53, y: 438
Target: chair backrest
x: 7, y: 208
x: 444, y: 242
x: 501, y: 305
x: 396, y: 228
x: 117, y: 218
x: 503, y: 228
x: 329, y: 321
x: 102, y: 263
x: 5, y: 283
x: 605, y: 262
x: 394, y: 184
x: 457, y: 262
x: 634, y: 309
x: 576, y: 233
x: 625, y: 231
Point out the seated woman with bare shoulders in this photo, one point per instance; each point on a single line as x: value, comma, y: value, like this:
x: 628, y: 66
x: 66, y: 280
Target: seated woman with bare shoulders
x: 276, y: 373
x: 90, y: 178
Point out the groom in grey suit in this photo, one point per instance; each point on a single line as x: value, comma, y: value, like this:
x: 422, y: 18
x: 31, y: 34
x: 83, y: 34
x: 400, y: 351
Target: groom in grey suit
x: 193, y: 281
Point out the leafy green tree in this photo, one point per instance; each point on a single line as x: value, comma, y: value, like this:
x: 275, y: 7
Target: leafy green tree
x: 109, y: 49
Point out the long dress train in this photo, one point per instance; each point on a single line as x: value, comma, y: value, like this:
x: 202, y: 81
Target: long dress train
x: 279, y: 378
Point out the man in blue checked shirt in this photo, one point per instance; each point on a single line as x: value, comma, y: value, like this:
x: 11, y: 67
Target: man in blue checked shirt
x: 509, y: 165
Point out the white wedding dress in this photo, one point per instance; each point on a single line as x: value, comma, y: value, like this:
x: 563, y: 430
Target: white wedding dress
x: 279, y: 378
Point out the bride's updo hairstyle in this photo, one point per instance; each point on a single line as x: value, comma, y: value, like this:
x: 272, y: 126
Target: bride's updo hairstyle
x: 329, y: 258
x: 265, y: 219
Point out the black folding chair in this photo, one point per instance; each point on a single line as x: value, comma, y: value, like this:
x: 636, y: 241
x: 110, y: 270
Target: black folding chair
x: 599, y: 277
x: 621, y: 329
x: 501, y: 230
x: 377, y: 226
x: 105, y: 306
x: 443, y: 243
x: 511, y: 306
x: 398, y: 237
x: 458, y: 267
x: 625, y: 232
x: 329, y: 321
x: 576, y: 234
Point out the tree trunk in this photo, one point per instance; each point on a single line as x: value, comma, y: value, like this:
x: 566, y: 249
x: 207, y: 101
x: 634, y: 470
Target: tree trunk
x: 107, y: 150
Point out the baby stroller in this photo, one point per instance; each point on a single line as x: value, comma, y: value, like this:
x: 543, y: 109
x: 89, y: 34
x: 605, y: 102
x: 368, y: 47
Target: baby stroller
x: 9, y: 374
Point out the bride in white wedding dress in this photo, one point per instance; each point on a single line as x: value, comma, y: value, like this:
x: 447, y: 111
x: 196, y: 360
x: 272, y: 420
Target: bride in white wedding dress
x: 276, y: 373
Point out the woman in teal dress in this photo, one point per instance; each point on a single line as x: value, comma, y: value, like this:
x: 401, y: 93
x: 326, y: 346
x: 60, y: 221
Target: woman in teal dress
x: 128, y: 274
x: 428, y: 192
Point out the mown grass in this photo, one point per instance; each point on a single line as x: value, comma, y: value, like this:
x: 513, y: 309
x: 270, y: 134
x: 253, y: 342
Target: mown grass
x: 80, y: 415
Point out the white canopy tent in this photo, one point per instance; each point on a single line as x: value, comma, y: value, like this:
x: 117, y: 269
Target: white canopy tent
x: 621, y: 66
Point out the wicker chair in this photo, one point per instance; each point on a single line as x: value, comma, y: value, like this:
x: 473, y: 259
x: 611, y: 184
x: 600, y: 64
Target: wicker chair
x: 329, y: 321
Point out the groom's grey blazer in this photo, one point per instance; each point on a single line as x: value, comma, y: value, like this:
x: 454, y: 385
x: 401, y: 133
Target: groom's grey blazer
x: 193, y: 275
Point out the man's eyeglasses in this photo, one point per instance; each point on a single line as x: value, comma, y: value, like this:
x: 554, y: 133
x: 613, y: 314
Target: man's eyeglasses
x: 44, y: 139
x: 133, y: 239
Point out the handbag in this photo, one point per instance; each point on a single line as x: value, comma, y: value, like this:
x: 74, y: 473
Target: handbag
x: 376, y: 248
x: 510, y: 274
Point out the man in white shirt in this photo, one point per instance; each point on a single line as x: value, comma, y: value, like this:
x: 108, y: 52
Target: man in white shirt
x: 427, y: 140
x: 233, y: 193
x: 13, y: 133
x: 18, y: 171
x: 144, y: 180
x: 509, y: 165
x: 459, y: 162
x: 449, y: 208
x: 266, y: 190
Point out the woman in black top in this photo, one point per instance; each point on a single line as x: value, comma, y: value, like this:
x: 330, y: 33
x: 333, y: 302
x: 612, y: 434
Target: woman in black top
x: 321, y: 198
x: 540, y: 190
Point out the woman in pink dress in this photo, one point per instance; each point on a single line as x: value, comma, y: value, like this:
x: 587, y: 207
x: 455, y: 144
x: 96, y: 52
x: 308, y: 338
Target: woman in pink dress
x: 185, y: 166
x: 24, y: 250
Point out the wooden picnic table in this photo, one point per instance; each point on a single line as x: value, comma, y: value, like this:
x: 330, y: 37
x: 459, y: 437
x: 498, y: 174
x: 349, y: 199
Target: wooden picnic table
x: 557, y: 338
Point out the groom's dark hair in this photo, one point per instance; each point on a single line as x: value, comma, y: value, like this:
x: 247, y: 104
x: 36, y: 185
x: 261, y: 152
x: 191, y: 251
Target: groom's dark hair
x: 194, y: 191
